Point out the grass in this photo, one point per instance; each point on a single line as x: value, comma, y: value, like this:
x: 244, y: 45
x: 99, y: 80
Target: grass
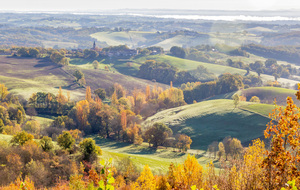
x: 25, y: 76
x: 185, y: 64
x: 268, y: 94
x: 6, y: 138
x: 43, y: 120
x: 212, y: 120
x: 158, y: 160
x: 263, y: 109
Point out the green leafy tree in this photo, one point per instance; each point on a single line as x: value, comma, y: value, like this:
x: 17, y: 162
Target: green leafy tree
x: 78, y: 75
x: 236, y: 100
x: 90, y: 54
x: 276, y: 76
x: 65, y: 140
x: 21, y: 138
x: 178, y: 52
x: 46, y: 143
x: 56, y: 57
x: 270, y: 62
x: 100, y: 92
x: 89, y: 148
x: 23, y: 52
x: 259, y: 71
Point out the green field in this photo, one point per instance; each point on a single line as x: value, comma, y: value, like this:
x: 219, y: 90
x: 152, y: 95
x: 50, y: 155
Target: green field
x: 263, y: 109
x: 158, y: 160
x: 212, y: 120
x: 268, y: 94
x: 185, y: 64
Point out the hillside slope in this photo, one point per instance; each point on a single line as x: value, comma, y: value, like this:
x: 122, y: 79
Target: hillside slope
x: 185, y: 64
x: 24, y: 76
x: 268, y: 94
x: 213, y: 120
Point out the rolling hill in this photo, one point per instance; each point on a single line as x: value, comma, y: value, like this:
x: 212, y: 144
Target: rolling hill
x: 213, y: 120
x: 268, y: 94
x: 24, y: 76
x: 185, y: 64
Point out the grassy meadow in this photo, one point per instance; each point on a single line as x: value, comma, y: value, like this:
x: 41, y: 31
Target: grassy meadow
x: 268, y: 94
x: 213, y: 120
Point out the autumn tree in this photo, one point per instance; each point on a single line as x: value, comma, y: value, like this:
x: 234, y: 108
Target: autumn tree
x: 65, y: 140
x: 3, y: 92
x: 184, y: 142
x: 21, y: 138
x: 146, y: 180
x: 281, y: 162
x: 157, y: 134
x: 221, y: 151
x: 88, y: 94
x: 255, y: 99
x: 188, y: 174
x: 32, y: 127
x: 61, y: 100
x: 82, y: 113
x: 235, y: 147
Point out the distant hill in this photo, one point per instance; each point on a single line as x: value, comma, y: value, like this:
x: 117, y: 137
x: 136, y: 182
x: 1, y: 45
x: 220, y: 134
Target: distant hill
x: 213, y: 120
x: 185, y: 64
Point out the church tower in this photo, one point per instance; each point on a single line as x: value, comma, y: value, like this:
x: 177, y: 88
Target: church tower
x: 94, y: 45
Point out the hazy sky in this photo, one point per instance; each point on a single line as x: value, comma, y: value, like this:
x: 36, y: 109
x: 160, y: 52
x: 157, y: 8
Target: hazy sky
x: 44, y: 5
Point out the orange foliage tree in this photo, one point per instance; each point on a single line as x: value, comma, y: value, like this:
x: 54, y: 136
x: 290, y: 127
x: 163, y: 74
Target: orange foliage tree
x: 281, y: 163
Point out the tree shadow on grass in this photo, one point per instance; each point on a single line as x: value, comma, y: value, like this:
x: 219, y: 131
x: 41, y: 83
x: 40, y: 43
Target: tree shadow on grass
x: 110, y: 143
x: 141, y: 150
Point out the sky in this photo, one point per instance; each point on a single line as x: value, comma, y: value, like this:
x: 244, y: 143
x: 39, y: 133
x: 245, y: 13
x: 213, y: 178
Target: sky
x: 86, y: 5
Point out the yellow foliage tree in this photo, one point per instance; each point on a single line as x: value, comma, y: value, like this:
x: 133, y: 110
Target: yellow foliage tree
x: 146, y: 181
x: 88, y: 94
x: 188, y: 174
x: 3, y: 92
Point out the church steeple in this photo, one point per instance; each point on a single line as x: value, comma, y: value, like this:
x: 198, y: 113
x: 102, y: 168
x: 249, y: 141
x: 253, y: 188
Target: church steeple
x: 94, y: 45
